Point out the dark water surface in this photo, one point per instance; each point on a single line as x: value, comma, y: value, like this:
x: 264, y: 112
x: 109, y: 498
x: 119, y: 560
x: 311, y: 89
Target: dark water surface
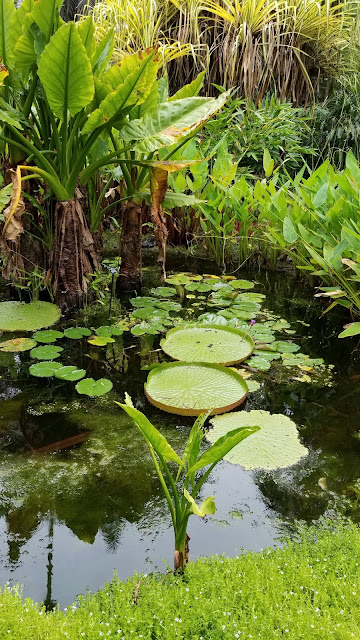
x: 69, y: 519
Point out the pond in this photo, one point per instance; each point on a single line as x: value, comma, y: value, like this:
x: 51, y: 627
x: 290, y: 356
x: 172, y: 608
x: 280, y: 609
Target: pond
x: 70, y: 517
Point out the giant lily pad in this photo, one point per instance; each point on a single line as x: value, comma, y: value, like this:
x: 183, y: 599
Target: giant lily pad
x: 210, y: 343
x: 18, y: 316
x: 44, y: 369
x: 91, y: 387
x: 46, y: 353
x: 18, y: 344
x: 192, y: 389
x: 275, y: 445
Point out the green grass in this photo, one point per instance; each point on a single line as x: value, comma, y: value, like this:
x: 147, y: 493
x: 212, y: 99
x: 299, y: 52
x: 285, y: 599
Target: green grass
x: 308, y: 590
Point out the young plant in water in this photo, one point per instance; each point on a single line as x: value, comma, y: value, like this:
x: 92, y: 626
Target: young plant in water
x: 182, y: 485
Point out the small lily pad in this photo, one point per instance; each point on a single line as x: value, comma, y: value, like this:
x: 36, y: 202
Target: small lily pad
x: 44, y: 369
x: 48, y: 336
x: 18, y: 344
x: 286, y: 347
x: 91, y: 387
x: 178, y: 279
x: 76, y: 333
x: 163, y: 292
x: 46, y: 353
x: 108, y: 331
x: 19, y: 316
x: 242, y: 284
x: 100, y: 341
x: 69, y: 373
x: 143, y: 301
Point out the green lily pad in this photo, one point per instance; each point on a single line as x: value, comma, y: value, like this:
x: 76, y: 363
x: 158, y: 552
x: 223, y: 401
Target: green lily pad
x: 145, y: 313
x: 212, y: 318
x: 46, y: 353
x: 100, y: 341
x: 275, y: 445
x: 76, y: 333
x: 177, y: 279
x: 143, y: 301
x: 91, y: 387
x: 18, y: 316
x: 242, y: 284
x: 286, y: 347
x: 259, y: 363
x: 163, y: 292
x: 166, y: 305
x: 198, y: 286
x: 50, y: 335
x: 18, y: 344
x: 69, y: 373
x: 44, y: 369
x: 210, y: 343
x: 192, y: 388
x: 108, y: 331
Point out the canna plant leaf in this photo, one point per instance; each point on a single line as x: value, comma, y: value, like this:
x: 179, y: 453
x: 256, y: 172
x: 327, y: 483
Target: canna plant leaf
x: 150, y: 433
x: 65, y: 72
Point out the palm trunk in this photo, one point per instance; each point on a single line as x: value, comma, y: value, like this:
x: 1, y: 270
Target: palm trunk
x: 73, y: 255
x: 130, y: 248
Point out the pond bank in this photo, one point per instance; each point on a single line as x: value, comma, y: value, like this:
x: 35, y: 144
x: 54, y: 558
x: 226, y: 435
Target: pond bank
x: 309, y: 589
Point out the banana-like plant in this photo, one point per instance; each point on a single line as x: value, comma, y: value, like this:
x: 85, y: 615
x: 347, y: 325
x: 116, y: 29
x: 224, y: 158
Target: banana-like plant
x: 182, y: 487
x: 64, y: 112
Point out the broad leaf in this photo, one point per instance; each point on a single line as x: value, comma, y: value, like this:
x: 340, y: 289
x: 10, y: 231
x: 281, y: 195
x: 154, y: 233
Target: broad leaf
x: 44, y: 369
x: 170, y: 121
x: 69, y: 373
x: 49, y: 352
x: 86, y: 30
x: 93, y: 388
x: 103, y: 53
x: 7, y: 32
x: 44, y: 14
x: 222, y: 446
x: 18, y: 316
x: 65, y: 72
x: 150, y: 433
x: 206, y: 507
x: 352, y: 329
x: 190, y: 90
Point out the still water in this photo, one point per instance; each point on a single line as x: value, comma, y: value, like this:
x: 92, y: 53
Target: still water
x: 69, y: 519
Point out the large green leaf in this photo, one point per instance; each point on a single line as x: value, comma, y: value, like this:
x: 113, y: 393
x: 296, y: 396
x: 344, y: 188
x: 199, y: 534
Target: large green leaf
x: 44, y: 14
x: 65, y: 72
x: 276, y: 443
x: 198, y: 343
x: 103, y: 53
x: 150, y: 433
x: 170, y: 121
x: 7, y: 32
x: 192, y: 389
x: 131, y: 91
x: 18, y: 316
x: 190, y: 90
x: 86, y: 31
x: 222, y: 447
x: 352, y: 329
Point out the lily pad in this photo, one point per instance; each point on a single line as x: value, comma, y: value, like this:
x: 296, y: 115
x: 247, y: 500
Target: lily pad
x: 69, y: 373
x: 100, y: 341
x: 286, y: 347
x: 210, y: 343
x: 275, y: 445
x: 163, y: 292
x: 48, y: 336
x: 44, y: 369
x: 18, y: 344
x: 143, y: 301
x: 46, y: 353
x: 177, y: 279
x: 242, y: 284
x: 18, y: 316
x: 91, y: 387
x: 108, y: 331
x: 191, y: 389
x: 76, y: 333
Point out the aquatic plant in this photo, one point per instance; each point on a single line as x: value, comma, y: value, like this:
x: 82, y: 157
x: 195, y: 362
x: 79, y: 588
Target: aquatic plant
x: 181, y: 487
x: 210, y: 343
x: 19, y: 316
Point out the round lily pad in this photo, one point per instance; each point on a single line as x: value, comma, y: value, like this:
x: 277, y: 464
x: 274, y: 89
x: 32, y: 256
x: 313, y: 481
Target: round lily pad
x: 76, y: 333
x: 178, y: 279
x: 210, y: 343
x: 18, y: 344
x: 275, y: 445
x: 163, y: 292
x: 100, y: 341
x: 191, y: 389
x: 48, y: 336
x: 69, y: 373
x: 46, y: 353
x: 242, y: 284
x: 44, y: 369
x: 108, y: 331
x: 91, y: 387
x: 19, y: 316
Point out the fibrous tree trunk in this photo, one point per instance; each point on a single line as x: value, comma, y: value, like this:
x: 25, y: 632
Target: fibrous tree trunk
x: 130, y: 248
x: 73, y: 255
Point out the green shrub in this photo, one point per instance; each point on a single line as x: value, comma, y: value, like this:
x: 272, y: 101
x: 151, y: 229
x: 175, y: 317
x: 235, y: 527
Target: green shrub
x: 309, y: 590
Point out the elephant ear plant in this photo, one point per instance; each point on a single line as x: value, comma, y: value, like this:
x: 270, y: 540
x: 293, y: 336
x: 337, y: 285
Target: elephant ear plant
x: 179, y: 477
x: 66, y: 114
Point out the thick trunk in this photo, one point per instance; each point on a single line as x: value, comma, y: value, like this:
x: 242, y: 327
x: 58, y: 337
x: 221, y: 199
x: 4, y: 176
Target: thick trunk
x: 181, y: 556
x: 130, y: 248
x: 73, y: 255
